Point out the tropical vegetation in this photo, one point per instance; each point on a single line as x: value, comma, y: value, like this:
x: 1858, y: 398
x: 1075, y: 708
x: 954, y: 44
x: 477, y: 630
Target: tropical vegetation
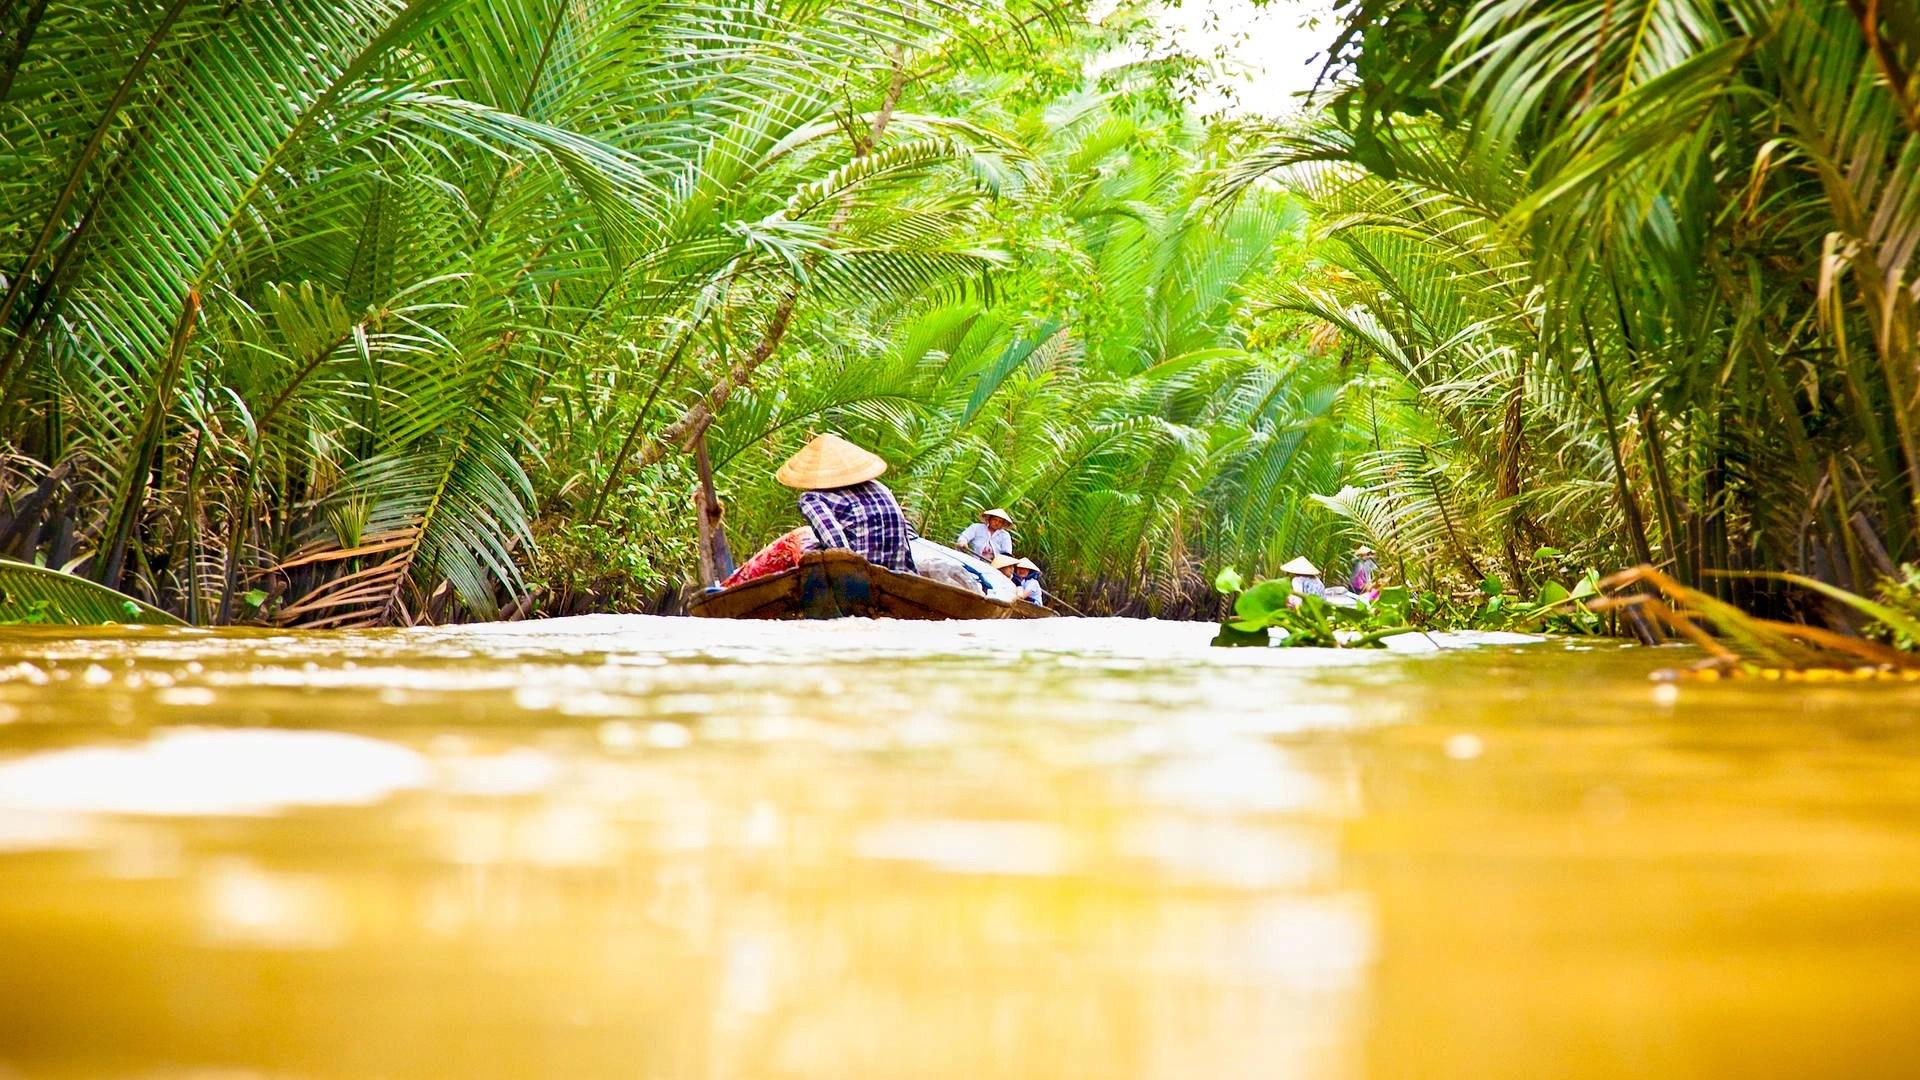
x: 1639, y: 281
x: 351, y: 314
x: 344, y: 315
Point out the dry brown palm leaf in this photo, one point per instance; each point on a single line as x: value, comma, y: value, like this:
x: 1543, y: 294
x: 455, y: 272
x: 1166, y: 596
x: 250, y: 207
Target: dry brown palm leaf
x: 328, y: 551
x: 364, y: 598
x: 1739, y: 643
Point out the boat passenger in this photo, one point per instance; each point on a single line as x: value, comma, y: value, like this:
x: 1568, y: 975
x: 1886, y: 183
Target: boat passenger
x: 1026, y: 581
x: 845, y: 507
x: 1365, y: 571
x: 989, y: 537
x: 1306, y: 580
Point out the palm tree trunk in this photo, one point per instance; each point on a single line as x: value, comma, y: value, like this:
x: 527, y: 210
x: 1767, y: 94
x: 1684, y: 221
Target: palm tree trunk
x: 133, y: 488
x: 1629, y: 507
x: 1673, y: 538
x: 1512, y: 444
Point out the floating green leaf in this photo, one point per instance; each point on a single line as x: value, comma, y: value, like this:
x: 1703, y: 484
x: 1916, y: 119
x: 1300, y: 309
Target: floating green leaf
x: 1231, y: 638
x: 1261, y: 605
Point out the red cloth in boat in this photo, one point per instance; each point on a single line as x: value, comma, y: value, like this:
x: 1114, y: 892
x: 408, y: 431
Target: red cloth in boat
x: 782, y: 554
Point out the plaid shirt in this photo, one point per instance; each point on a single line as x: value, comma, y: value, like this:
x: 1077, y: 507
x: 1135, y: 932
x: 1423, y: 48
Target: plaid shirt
x: 865, y: 520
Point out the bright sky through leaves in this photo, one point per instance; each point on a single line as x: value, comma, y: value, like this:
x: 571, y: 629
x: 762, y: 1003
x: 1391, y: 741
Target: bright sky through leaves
x: 1269, y: 52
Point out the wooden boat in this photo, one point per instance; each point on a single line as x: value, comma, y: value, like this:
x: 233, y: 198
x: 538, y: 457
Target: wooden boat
x: 835, y: 584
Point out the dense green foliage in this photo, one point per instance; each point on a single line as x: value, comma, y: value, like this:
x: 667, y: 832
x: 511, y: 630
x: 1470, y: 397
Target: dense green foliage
x: 390, y: 312
x: 1638, y: 281
x: 339, y: 314
x: 309, y: 293
x: 1115, y: 392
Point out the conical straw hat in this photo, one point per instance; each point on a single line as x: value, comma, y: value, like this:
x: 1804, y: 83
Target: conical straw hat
x: 1027, y: 564
x: 829, y: 461
x: 1001, y: 562
x: 999, y: 513
x: 1302, y: 567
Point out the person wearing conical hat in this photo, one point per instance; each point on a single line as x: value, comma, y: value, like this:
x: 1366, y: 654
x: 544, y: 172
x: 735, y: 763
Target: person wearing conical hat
x: 1024, y: 574
x: 845, y: 507
x: 1026, y: 581
x: 848, y: 507
x: 989, y: 537
x: 1306, y: 579
x: 1365, y: 571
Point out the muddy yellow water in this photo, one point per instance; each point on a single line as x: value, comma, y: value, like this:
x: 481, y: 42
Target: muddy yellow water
x: 674, y: 849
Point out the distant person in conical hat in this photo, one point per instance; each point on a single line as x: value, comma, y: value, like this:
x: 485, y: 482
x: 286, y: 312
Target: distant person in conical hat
x: 1306, y: 579
x: 992, y: 535
x: 1365, y: 571
x: 845, y: 507
x: 1026, y: 580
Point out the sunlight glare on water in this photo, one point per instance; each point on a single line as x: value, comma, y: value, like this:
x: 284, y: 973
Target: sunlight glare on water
x: 631, y: 846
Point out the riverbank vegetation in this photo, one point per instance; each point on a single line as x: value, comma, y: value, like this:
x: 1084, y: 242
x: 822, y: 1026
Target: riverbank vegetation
x: 376, y: 313
x: 1642, y: 278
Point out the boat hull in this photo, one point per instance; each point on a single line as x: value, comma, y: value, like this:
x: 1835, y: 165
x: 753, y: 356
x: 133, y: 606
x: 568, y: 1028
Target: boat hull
x: 839, y: 584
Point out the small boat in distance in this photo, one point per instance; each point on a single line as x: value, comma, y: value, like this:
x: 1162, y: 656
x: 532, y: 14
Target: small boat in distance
x: 836, y: 584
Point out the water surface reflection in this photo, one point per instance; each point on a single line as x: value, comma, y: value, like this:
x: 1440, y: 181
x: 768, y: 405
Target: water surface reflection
x: 1086, y: 848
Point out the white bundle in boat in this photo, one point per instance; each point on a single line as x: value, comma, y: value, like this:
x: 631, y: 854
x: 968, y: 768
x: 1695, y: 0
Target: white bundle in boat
x: 951, y: 567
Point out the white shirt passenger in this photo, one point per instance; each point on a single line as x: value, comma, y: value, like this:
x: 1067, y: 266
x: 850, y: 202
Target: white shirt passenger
x: 985, y: 544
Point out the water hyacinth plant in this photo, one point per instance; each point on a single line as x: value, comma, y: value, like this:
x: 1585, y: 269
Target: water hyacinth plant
x: 1270, y: 605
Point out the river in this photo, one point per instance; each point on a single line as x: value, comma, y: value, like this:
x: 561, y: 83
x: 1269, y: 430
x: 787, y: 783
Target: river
x: 668, y: 848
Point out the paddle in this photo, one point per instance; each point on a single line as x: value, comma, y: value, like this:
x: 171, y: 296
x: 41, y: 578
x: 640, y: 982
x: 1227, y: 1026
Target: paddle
x: 716, y: 559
